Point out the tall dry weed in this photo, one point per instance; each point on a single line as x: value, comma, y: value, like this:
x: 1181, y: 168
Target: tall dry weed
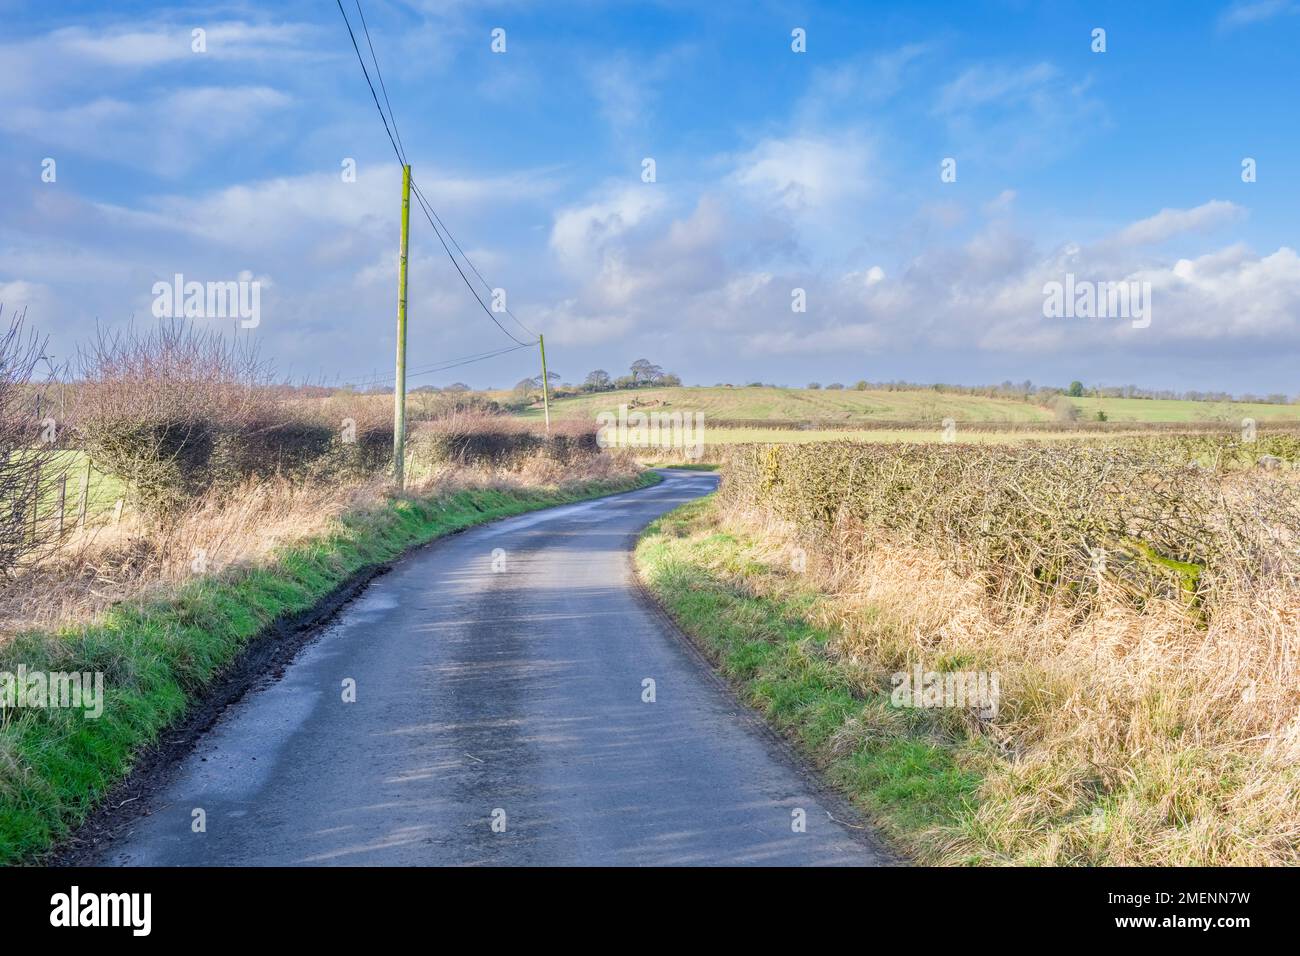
x: 1128, y: 732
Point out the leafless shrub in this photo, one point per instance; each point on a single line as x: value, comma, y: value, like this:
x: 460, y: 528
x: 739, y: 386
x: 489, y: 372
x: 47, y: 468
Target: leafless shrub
x: 160, y: 408
x: 496, y: 440
x: 29, y: 467
x: 1036, y: 523
x: 1143, y: 617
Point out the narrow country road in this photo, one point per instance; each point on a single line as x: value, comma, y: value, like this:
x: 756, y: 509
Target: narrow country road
x: 499, y: 677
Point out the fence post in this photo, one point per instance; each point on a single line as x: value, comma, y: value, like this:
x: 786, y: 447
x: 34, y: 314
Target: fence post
x: 85, y: 493
x: 63, y: 501
x: 36, y: 502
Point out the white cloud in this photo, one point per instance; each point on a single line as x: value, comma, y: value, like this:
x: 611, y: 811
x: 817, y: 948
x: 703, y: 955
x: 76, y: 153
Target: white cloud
x: 987, y: 296
x: 18, y: 295
x: 1233, y: 295
x: 157, y: 45
x: 581, y: 234
x: 1000, y: 204
x: 865, y: 277
x: 1168, y: 223
x: 625, y: 86
x: 1247, y: 12
x: 804, y: 172
x: 321, y: 208
x: 622, y: 92
x: 197, y: 120
x: 986, y: 85
x: 1005, y: 113
x: 79, y: 57
x: 857, y: 81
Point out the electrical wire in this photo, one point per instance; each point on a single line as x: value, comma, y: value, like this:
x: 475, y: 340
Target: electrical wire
x: 440, y: 366
x: 468, y: 262
x: 401, y: 153
x: 469, y: 285
x: 429, y: 213
x: 366, y: 73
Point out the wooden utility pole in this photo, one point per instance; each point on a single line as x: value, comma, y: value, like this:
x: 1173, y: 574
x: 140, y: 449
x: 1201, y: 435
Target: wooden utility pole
x: 546, y: 386
x: 399, y: 388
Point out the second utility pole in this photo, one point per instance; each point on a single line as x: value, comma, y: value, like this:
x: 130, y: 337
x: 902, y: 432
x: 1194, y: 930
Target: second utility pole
x: 399, y: 388
x: 546, y: 388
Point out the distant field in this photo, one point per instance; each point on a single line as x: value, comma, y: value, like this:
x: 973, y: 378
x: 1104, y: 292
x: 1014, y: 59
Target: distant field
x: 797, y: 404
x: 734, y: 436
x: 1168, y: 410
x: 847, y: 406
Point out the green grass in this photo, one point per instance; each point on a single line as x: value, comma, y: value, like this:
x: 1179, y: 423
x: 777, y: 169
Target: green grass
x: 798, y: 404
x: 103, y: 490
x: 685, y: 466
x: 156, y: 657
x: 904, y: 772
x: 849, y: 405
x: 791, y: 436
x: 1171, y: 410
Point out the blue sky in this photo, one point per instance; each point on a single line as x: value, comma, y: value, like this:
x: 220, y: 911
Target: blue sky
x: 776, y: 170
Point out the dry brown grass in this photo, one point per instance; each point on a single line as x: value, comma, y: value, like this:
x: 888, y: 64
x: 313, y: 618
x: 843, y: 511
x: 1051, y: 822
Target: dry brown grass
x: 1125, y: 735
x: 107, y: 563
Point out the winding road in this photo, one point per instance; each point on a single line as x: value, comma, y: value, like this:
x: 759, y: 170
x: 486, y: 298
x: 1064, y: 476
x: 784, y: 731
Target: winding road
x: 498, y: 719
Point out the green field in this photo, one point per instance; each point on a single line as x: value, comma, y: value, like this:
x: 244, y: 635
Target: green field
x: 104, y: 490
x: 791, y: 436
x: 1170, y: 410
x: 847, y: 406
x: 797, y: 404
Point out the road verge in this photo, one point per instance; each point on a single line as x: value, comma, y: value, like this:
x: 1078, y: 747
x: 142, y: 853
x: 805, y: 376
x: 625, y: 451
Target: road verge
x: 170, y: 665
x: 905, y: 779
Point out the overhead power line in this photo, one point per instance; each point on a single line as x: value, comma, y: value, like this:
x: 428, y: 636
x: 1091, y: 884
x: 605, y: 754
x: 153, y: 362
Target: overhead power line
x: 366, y: 73
x: 401, y: 154
x: 469, y: 285
x: 435, y: 221
x: 440, y: 366
x: 486, y: 285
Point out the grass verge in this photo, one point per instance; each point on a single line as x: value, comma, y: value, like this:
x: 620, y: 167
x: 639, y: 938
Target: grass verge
x: 158, y: 656
x: 685, y: 466
x: 913, y: 781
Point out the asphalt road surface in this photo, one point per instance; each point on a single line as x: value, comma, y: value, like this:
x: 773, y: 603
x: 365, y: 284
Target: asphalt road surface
x: 499, y: 719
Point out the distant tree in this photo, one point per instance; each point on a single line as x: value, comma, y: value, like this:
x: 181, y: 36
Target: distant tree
x: 645, y: 372
x: 525, y: 388
x: 457, y: 387
x: 835, y: 385
x: 625, y: 381
x: 669, y: 380
x: 860, y: 385
x: 814, y: 384
x: 754, y: 385
x: 596, y: 381
x: 1076, y: 390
